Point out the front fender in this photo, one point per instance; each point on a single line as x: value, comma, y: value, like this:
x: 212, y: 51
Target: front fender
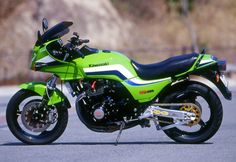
x: 40, y: 88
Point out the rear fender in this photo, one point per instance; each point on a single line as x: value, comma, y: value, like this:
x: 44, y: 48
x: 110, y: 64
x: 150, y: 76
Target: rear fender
x: 40, y: 88
x: 209, y: 79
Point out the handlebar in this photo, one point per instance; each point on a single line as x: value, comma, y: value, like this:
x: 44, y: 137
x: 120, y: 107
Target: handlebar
x: 76, y: 41
x: 69, y: 50
x: 71, y: 47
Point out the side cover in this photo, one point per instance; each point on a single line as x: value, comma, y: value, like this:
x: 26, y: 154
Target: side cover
x: 40, y: 88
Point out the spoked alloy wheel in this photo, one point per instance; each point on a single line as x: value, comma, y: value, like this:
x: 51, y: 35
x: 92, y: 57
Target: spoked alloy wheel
x: 209, y: 115
x: 31, y: 124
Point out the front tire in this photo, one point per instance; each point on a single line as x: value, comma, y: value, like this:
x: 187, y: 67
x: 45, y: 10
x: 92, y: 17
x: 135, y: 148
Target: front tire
x: 205, y: 128
x: 43, y: 134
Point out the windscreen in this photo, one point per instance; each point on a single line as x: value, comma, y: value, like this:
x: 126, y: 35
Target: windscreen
x: 56, y: 31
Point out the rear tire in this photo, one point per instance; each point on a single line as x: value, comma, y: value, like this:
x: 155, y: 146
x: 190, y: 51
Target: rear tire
x: 13, y: 115
x: 207, y: 128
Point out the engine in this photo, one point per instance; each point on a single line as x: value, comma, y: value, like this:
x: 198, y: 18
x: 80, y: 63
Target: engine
x: 106, y: 102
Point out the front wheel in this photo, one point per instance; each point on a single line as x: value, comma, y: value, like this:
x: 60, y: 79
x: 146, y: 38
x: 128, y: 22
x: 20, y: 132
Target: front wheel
x: 33, y: 124
x: 211, y: 114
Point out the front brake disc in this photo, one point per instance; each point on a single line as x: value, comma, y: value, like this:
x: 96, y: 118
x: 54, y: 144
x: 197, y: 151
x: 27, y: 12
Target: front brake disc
x: 29, y: 121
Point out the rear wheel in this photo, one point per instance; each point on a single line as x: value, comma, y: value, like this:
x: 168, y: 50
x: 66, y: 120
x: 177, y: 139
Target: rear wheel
x: 211, y: 114
x: 34, y: 125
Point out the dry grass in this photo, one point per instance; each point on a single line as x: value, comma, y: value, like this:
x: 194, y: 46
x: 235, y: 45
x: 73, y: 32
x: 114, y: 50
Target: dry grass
x: 213, y: 20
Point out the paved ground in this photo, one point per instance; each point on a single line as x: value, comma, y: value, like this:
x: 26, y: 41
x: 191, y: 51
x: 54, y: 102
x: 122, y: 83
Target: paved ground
x: 137, y: 144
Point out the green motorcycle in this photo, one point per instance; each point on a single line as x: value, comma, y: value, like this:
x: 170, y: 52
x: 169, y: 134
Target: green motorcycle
x: 114, y: 93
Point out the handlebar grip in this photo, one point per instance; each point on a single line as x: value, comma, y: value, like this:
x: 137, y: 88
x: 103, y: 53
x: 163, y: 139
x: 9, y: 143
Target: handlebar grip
x: 84, y: 41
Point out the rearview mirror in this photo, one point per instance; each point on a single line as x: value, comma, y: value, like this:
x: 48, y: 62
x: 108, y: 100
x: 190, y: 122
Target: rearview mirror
x: 44, y: 24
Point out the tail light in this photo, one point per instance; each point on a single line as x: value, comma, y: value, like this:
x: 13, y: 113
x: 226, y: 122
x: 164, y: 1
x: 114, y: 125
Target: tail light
x: 221, y: 65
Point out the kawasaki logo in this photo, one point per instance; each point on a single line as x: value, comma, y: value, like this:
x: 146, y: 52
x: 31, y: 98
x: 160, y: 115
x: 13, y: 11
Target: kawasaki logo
x: 101, y: 64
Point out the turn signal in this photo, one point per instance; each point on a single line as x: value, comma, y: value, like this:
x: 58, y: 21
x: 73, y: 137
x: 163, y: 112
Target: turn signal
x: 217, y: 78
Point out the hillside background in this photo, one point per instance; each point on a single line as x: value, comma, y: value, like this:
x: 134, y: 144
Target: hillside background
x: 145, y: 30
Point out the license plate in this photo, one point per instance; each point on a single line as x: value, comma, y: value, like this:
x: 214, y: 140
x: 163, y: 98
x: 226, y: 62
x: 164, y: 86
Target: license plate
x: 223, y: 79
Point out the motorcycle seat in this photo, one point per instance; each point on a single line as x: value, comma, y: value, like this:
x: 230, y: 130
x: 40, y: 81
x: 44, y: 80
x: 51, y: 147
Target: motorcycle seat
x: 167, y: 68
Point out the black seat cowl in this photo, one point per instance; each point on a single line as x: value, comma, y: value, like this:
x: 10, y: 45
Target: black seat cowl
x: 167, y: 68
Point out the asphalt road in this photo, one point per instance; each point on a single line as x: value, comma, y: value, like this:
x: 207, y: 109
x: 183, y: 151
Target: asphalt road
x: 136, y: 144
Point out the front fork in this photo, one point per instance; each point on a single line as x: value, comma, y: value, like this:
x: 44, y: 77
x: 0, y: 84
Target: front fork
x: 50, y: 88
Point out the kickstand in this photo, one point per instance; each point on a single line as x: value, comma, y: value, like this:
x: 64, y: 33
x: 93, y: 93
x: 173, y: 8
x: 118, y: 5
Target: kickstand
x: 122, y: 126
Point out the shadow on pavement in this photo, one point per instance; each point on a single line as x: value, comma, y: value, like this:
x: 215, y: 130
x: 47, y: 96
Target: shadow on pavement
x: 106, y: 143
